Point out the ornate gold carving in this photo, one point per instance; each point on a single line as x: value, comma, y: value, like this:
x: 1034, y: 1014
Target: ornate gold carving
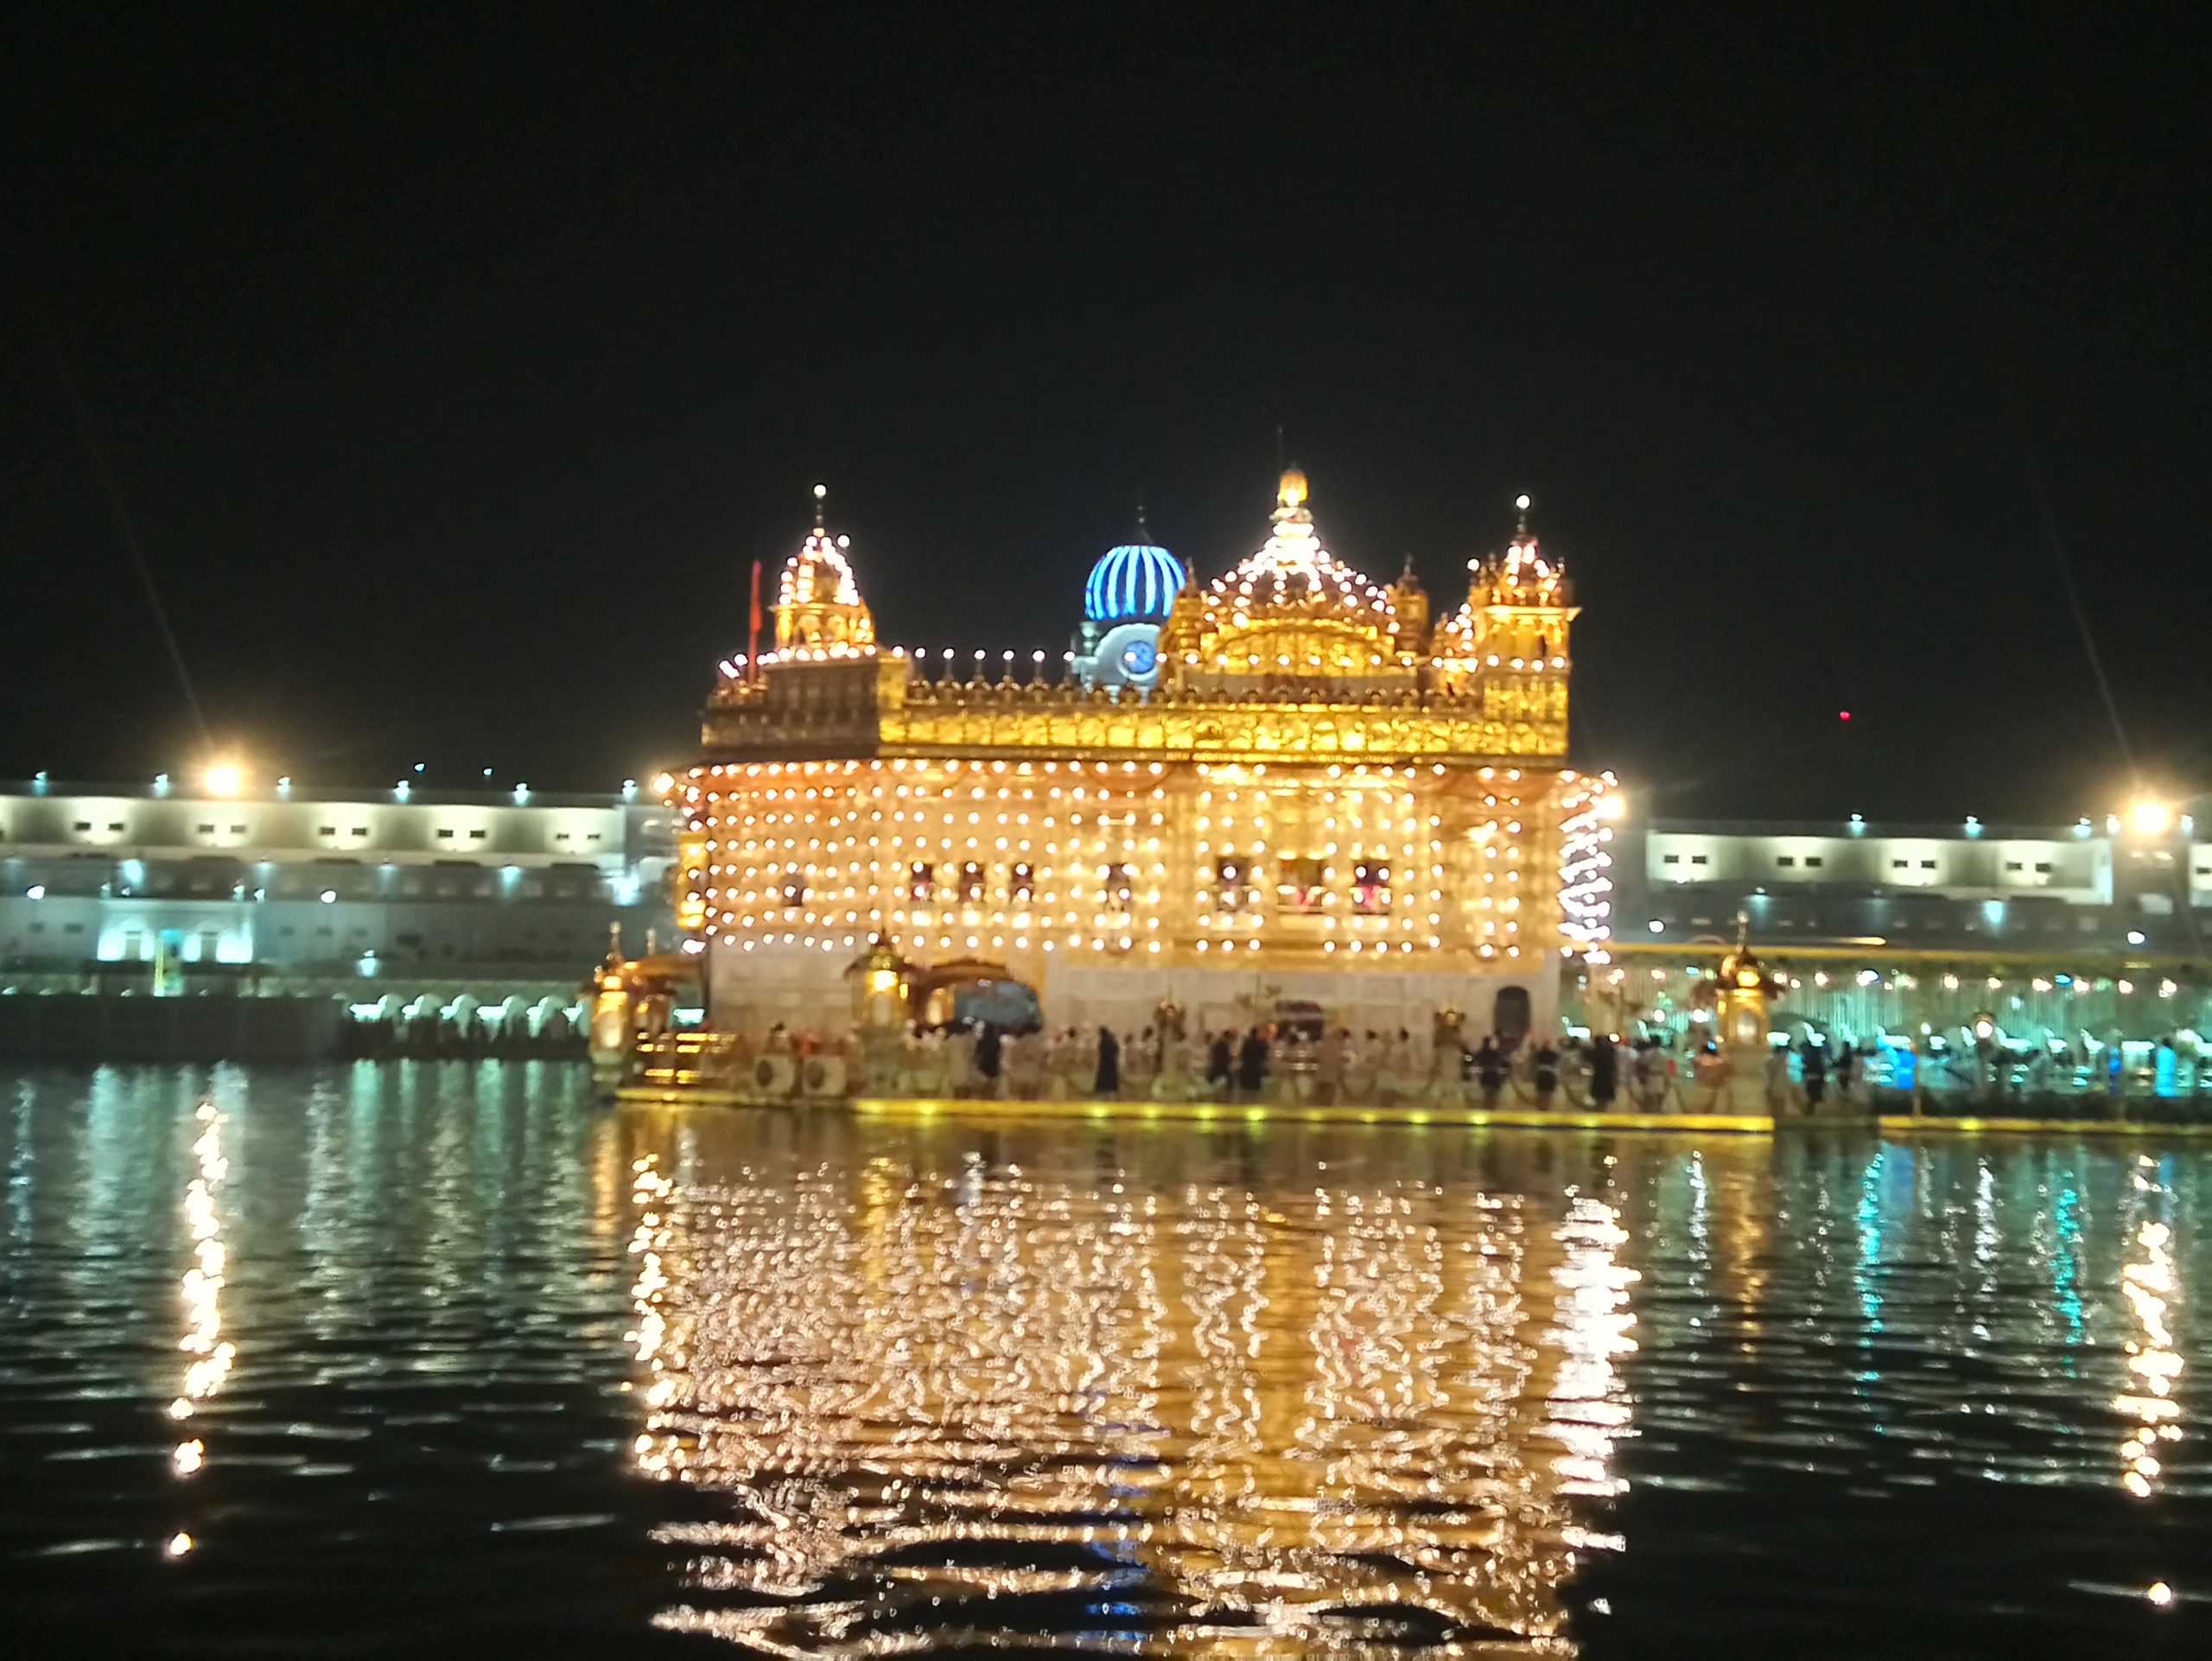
x: 859, y: 709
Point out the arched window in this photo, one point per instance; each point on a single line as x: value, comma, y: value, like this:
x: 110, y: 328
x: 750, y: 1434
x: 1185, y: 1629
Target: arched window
x: 1232, y: 884
x: 1370, y: 889
x: 1511, y: 1015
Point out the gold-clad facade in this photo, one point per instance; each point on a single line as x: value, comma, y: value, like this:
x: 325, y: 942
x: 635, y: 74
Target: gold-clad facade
x: 1322, y: 798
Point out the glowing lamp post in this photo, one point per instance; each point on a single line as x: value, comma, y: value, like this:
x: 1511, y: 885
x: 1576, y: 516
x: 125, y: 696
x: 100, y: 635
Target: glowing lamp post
x: 882, y: 980
x: 2151, y: 818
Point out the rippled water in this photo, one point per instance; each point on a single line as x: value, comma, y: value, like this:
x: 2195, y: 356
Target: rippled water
x: 434, y: 1359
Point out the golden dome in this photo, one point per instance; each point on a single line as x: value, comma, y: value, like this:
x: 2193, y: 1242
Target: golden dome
x: 1291, y: 609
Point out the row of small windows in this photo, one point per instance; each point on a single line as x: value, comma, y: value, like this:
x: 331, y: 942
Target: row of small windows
x: 1815, y: 861
x: 553, y: 943
x: 2086, y: 923
x: 1301, y: 887
x: 445, y: 833
x: 965, y: 883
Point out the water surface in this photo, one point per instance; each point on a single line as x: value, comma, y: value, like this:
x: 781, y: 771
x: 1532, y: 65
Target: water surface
x: 438, y: 1359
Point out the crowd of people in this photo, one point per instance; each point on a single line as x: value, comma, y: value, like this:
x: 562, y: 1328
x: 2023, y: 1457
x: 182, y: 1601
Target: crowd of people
x: 1287, y: 1063
x: 1096, y: 1064
x: 1304, y: 1062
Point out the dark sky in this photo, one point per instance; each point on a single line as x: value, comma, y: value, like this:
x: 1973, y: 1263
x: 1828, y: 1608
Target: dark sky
x: 455, y: 364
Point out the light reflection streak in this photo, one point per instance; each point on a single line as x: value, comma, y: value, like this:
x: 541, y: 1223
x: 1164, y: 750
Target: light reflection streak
x: 2154, y: 1365
x: 1700, y: 1211
x: 2066, y: 1260
x: 201, y: 1293
x: 1590, y: 1405
x: 20, y: 1168
x: 1231, y: 1430
x: 1869, y: 1220
x: 649, y: 1190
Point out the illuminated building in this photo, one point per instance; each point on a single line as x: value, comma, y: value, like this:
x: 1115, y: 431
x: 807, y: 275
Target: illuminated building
x: 2067, y: 934
x: 1321, y: 797
x: 222, y: 885
x: 2033, y: 887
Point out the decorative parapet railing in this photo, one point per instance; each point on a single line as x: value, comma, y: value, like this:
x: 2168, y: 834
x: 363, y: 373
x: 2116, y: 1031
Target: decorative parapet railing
x: 869, y: 709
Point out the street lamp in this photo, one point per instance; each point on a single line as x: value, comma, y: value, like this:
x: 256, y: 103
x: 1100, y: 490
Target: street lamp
x: 2149, y: 816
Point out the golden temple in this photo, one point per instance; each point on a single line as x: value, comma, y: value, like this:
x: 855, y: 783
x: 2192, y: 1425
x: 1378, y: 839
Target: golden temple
x: 1290, y: 786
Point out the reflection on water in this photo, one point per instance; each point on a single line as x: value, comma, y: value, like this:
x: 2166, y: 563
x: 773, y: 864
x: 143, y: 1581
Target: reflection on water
x: 1161, y: 1402
x: 1297, y: 1391
x: 439, y: 1360
x: 202, y: 1294
x: 1589, y: 1406
x: 2154, y: 1365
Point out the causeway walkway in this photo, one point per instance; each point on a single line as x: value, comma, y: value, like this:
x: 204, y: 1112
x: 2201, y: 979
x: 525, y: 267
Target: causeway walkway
x: 1895, y: 1126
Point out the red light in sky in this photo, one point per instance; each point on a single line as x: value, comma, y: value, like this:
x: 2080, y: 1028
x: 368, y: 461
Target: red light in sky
x: 1843, y: 715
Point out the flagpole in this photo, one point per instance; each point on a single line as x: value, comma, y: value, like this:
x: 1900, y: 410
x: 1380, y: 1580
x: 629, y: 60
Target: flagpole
x: 753, y: 632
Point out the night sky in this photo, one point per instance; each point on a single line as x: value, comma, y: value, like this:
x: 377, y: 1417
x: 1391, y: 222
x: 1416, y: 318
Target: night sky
x: 453, y: 365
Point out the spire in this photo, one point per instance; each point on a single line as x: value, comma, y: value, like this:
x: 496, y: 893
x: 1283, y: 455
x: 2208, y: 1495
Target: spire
x: 1289, y: 609
x: 1410, y: 602
x: 1523, y: 564
x: 1292, y: 568
x: 818, y: 607
x: 1144, y: 532
x: 1740, y: 970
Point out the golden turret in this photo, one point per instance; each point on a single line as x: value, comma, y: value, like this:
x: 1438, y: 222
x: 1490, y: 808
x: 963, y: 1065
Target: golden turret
x: 1410, y: 601
x: 819, y: 613
x: 1508, y: 642
x: 1289, y: 612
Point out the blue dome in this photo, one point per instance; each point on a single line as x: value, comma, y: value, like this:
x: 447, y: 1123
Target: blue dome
x: 1135, y: 583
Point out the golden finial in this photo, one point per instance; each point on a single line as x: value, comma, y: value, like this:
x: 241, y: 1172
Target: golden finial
x: 1291, y: 494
